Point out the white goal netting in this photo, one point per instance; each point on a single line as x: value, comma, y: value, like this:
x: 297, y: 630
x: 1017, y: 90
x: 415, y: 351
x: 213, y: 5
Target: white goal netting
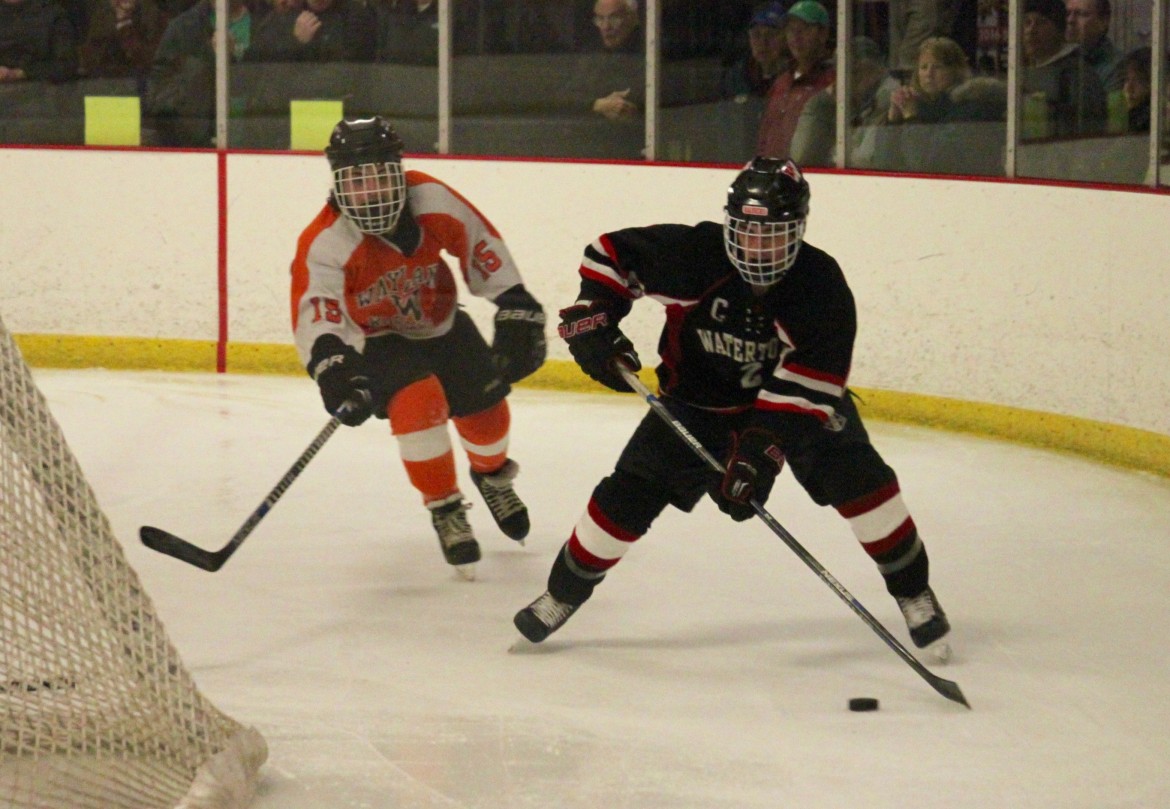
x: 96, y: 708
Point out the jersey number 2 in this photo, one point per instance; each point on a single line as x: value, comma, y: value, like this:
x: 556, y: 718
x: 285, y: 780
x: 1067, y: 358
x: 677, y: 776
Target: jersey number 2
x: 751, y: 378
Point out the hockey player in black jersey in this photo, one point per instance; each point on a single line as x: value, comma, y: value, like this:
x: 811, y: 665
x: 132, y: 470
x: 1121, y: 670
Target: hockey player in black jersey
x: 755, y: 355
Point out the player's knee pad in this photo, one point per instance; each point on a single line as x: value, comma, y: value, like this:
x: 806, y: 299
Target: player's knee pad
x: 419, y: 406
x: 630, y: 501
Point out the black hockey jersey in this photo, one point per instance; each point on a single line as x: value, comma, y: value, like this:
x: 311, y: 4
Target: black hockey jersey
x: 786, y: 353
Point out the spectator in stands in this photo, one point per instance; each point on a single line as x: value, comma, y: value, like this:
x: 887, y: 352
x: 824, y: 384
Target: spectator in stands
x: 767, y: 57
x: 180, y: 98
x: 37, y: 42
x: 407, y: 32
x: 944, y: 121
x: 941, y: 66
x: 617, y: 25
x: 123, y: 37
x: 619, y: 33
x: 1062, y: 95
x: 1087, y: 25
x: 1137, y: 88
x: 871, y: 87
x: 323, y: 31
x: 807, y: 34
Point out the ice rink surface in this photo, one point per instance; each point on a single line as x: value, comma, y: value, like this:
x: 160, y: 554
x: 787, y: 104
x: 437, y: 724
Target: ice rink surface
x: 711, y: 670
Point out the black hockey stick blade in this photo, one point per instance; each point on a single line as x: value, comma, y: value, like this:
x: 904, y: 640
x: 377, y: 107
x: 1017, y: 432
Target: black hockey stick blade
x: 166, y: 542
x: 948, y: 689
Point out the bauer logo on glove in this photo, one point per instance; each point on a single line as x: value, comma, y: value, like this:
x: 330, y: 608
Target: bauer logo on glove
x: 570, y: 329
x: 519, y: 346
x: 596, y: 343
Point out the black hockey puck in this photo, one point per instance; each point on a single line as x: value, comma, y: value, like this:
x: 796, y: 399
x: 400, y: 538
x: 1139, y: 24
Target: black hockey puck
x: 863, y: 704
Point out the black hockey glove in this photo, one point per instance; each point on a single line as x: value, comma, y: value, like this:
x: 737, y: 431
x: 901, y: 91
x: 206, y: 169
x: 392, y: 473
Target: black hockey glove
x: 596, y: 341
x: 752, y: 467
x: 340, y: 372
x: 519, y: 346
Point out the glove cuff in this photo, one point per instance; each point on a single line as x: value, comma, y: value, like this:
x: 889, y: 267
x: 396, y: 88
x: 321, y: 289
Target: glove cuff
x: 517, y: 297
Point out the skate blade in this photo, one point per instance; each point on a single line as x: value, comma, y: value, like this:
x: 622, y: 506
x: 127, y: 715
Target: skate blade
x: 466, y: 572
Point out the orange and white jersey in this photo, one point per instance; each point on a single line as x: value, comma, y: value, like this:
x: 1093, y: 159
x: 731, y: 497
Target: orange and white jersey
x: 355, y: 285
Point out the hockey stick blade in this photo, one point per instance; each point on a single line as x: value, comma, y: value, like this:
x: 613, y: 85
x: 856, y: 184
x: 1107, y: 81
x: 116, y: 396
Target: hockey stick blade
x: 949, y: 689
x: 211, y: 561
x: 165, y: 542
x: 946, y: 688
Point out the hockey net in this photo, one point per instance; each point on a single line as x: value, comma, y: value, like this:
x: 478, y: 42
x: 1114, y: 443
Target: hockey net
x: 96, y: 708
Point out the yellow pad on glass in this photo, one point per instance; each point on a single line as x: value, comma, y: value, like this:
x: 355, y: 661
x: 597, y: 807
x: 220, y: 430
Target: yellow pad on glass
x: 311, y: 123
x: 113, y: 121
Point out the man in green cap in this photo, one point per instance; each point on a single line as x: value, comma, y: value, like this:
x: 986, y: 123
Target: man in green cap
x: 812, y: 71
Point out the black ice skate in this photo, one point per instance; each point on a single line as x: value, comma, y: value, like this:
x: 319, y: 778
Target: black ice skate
x: 458, y: 543
x: 543, y: 617
x: 927, y: 623
x: 507, y: 509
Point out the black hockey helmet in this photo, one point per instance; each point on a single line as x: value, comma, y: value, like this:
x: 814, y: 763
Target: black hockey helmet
x: 368, y: 182
x: 363, y: 140
x: 765, y: 215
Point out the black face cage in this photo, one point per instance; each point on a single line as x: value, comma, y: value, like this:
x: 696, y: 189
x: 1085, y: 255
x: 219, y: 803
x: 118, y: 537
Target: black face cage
x: 371, y: 195
x: 762, y: 251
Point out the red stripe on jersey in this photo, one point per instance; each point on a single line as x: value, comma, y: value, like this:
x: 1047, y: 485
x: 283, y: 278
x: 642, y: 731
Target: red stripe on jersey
x: 870, y: 501
x: 609, y: 526
x: 672, y: 336
x: 607, y: 245
x: 618, y: 288
x: 880, y: 546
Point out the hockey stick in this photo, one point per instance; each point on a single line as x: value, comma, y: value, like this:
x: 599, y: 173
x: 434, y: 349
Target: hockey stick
x: 165, y: 542
x: 947, y: 688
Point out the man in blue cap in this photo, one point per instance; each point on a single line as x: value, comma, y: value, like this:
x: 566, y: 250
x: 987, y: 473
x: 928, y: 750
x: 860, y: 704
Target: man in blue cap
x: 766, y: 59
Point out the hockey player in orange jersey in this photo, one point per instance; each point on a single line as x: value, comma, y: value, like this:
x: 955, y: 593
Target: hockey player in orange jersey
x: 376, y: 323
